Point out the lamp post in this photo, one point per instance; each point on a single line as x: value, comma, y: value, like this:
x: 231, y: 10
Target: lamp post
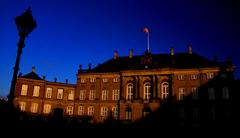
x: 25, y: 24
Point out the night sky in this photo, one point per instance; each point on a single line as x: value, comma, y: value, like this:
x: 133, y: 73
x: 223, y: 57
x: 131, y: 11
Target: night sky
x: 73, y: 32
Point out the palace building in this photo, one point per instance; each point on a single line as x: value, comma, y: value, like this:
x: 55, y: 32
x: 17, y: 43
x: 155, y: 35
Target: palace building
x: 131, y: 88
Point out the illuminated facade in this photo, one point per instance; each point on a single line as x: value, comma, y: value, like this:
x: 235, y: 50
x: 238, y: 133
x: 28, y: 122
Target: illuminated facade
x: 129, y: 88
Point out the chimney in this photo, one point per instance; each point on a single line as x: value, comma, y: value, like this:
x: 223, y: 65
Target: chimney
x: 131, y: 53
x: 44, y: 77
x: 66, y: 81
x: 89, y: 66
x: 55, y: 79
x: 172, y: 51
x: 190, y: 49
x: 115, y: 55
x: 33, y: 69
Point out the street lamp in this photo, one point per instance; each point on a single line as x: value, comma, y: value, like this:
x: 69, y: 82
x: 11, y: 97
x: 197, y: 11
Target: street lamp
x: 25, y: 24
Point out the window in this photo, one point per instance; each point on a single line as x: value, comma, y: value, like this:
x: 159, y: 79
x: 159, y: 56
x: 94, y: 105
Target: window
x: 193, y: 76
x: 24, y: 89
x: 60, y: 94
x: 129, y: 95
x: 181, y: 77
x: 181, y: 113
x: 104, y: 112
x: 69, y: 110
x: 92, y: 80
x: 115, y: 79
x: 48, y: 93
x: 115, y: 112
x: 104, y: 95
x: 36, y: 90
x: 146, y: 111
x: 147, y: 91
x: 83, y: 80
x: 34, y: 107
x: 209, y: 75
x: 47, y: 108
x: 181, y: 93
x: 92, y: 94
x: 196, y: 114
x: 22, y: 106
x: 211, y: 93
x: 105, y: 80
x: 194, y: 93
x: 80, y: 110
x: 90, y: 110
x: 71, y: 95
x: 223, y: 76
x: 128, y: 114
x: 225, y: 93
x: 82, y: 94
x: 212, y: 112
x: 165, y: 90
x: 115, y: 94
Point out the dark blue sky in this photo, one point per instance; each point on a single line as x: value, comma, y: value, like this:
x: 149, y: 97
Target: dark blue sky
x: 73, y: 32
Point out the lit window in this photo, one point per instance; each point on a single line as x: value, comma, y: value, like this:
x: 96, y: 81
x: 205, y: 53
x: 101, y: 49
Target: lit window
x: 92, y: 94
x: 193, y: 76
x: 225, y: 93
x: 71, y: 95
x: 80, y: 110
x: 69, y: 110
x: 24, y: 89
x: 90, y: 110
x: 47, y: 108
x: 60, y: 94
x: 22, y: 106
x: 48, y: 93
x: 105, y: 80
x: 209, y: 75
x: 115, y: 94
x: 92, y: 80
x: 147, y: 91
x: 104, y: 95
x: 129, y: 95
x: 211, y: 93
x: 115, y: 112
x: 36, y: 90
x: 128, y: 114
x: 34, y: 107
x: 194, y: 93
x: 180, y: 77
x: 115, y: 80
x: 181, y: 93
x: 82, y: 94
x: 104, y: 112
x: 165, y: 90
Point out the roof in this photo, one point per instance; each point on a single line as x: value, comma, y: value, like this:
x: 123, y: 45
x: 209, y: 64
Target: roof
x: 155, y: 61
x: 32, y: 75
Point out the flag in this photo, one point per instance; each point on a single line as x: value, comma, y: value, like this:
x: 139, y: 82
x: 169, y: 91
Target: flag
x: 146, y: 30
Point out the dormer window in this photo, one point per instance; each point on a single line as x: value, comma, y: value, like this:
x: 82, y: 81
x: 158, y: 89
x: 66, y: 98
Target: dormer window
x: 115, y: 79
x: 83, y: 80
x: 180, y: 77
x: 105, y: 80
x: 193, y: 76
x: 92, y: 80
x: 209, y: 75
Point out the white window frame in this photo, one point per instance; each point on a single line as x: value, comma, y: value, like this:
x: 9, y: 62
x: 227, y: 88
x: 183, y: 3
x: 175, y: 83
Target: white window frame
x: 46, y: 108
x: 181, y: 93
x: 180, y: 77
x: 147, y: 91
x: 105, y: 80
x: 24, y: 89
x: 48, y: 93
x: 80, y: 110
x: 83, y: 80
x: 115, y: 95
x: 36, y: 90
x: 129, y: 91
x: 34, y: 107
x: 92, y: 94
x: 194, y: 93
x: 115, y: 79
x: 69, y: 110
x: 210, y: 75
x: 92, y: 80
x: 90, y: 110
x: 104, y: 94
x: 82, y: 94
x: 60, y: 93
x: 115, y: 112
x: 165, y: 90
x: 194, y: 76
x: 104, y: 112
x: 22, y: 106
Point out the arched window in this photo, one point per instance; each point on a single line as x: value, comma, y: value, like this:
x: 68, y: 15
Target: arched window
x: 129, y: 91
x: 146, y: 91
x: 165, y: 90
